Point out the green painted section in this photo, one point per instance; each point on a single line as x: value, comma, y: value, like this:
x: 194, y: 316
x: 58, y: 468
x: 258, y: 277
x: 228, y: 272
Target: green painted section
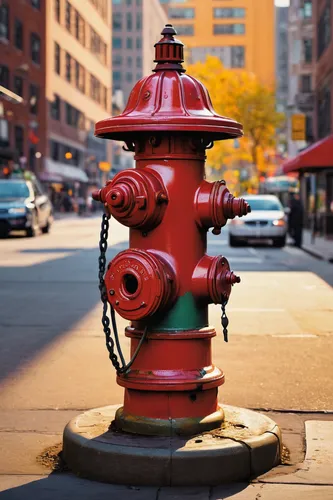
x: 186, y: 314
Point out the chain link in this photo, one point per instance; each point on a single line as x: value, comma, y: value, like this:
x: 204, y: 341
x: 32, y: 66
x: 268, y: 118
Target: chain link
x: 224, y: 319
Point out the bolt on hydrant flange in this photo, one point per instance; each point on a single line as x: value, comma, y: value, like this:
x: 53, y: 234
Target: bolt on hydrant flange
x: 164, y: 283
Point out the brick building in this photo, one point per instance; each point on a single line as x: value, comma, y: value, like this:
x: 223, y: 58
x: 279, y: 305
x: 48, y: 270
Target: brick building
x: 323, y: 19
x: 22, y: 80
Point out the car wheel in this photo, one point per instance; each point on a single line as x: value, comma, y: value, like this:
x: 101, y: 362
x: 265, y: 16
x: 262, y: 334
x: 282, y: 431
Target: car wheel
x: 233, y: 242
x: 31, y: 232
x: 279, y: 242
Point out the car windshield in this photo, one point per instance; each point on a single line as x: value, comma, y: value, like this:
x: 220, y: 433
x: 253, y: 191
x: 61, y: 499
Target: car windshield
x: 10, y: 189
x: 264, y: 204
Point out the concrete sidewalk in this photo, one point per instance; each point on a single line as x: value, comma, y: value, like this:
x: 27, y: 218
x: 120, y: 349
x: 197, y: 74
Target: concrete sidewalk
x: 321, y: 248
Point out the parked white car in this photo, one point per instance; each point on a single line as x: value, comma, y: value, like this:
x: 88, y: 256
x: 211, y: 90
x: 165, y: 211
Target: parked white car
x: 267, y: 221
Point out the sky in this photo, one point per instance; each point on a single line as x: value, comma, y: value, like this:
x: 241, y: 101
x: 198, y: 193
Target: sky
x: 282, y: 3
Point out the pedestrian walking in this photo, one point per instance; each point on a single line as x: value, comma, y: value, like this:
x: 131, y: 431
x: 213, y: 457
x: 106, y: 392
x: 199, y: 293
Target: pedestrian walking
x: 295, y: 220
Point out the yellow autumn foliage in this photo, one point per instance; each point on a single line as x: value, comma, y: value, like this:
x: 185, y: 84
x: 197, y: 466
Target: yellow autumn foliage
x: 240, y: 95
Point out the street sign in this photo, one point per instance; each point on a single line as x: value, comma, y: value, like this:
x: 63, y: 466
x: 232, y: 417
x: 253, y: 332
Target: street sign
x: 298, y: 127
x: 104, y: 166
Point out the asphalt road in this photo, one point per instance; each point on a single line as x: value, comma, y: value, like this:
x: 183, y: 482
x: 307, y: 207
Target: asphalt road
x: 52, y: 354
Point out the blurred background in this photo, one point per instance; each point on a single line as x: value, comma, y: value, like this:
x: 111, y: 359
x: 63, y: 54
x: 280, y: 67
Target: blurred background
x: 65, y: 64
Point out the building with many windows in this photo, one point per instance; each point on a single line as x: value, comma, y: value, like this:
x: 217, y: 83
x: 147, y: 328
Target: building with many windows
x: 301, y: 70
x: 78, y: 86
x: 22, y: 81
x: 136, y: 27
x: 240, y: 33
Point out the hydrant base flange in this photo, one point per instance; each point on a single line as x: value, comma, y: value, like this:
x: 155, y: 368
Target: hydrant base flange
x: 246, y: 445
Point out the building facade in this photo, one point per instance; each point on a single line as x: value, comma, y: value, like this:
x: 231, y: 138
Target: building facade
x: 241, y: 35
x: 78, y: 87
x: 323, y: 50
x: 301, y: 70
x: 22, y: 80
x: 281, y: 58
x: 136, y: 27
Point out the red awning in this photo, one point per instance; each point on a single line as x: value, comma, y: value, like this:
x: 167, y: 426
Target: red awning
x: 319, y: 155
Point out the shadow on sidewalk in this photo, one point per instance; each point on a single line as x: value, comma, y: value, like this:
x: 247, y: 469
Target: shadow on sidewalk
x: 42, y: 302
x: 69, y: 487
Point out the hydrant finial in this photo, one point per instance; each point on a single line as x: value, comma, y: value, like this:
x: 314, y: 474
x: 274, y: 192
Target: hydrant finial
x: 169, y: 52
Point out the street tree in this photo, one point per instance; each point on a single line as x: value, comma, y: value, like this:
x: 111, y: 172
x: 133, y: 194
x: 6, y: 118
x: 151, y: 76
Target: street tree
x: 241, y: 96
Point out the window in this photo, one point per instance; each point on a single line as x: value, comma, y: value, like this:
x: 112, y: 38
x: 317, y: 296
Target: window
x: 35, y: 48
x: 117, y: 2
x: 129, y: 23
x: 129, y: 61
x: 117, y: 60
x: 324, y: 100
x: 95, y: 89
x: 116, y: 43
x: 105, y: 98
x: 18, y: 85
x: 4, y: 76
x: 139, y: 3
x: 57, y: 62
x: 324, y: 33
x: 138, y: 43
x: 96, y: 44
x: 128, y: 2
x: 229, y: 29
x: 181, y: 13
x: 139, y: 21
x: 117, y: 21
x: 55, y: 108
x: 116, y: 79
x: 74, y: 117
x: 306, y: 83
x: 4, y: 133
x: 129, y: 43
x: 19, y: 139
x: 80, y: 77
x: 35, y: 4
x: 18, y: 34
x: 54, y: 150
x: 307, y: 47
x: 229, y: 12
x: 33, y: 99
x: 77, y: 74
x: 77, y: 25
x: 68, y: 16
x: 237, y: 57
x: 185, y: 29
x: 129, y: 77
x: 307, y: 9
x: 4, y: 21
x: 68, y: 67
x: 57, y: 10
x: 138, y: 76
x: 139, y: 62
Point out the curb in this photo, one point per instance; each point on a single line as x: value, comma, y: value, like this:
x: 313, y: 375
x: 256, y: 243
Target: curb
x: 317, y: 254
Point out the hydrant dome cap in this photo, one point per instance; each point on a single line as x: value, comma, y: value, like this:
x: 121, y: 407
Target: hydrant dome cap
x: 168, y: 100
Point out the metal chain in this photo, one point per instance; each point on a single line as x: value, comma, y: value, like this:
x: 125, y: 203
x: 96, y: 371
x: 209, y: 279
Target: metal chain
x: 224, y: 319
x: 110, y: 343
x: 103, y: 245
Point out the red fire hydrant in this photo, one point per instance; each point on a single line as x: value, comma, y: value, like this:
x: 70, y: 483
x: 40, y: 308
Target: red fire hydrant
x: 165, y: 281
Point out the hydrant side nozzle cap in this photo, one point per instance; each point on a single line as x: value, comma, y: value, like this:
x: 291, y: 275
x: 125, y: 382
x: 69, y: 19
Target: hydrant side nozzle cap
x: 96, y: 195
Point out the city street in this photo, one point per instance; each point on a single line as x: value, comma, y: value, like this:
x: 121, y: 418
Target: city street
x: 53, y: 361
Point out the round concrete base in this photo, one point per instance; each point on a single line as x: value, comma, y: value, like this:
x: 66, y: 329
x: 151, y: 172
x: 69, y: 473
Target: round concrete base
x: 246, y: 445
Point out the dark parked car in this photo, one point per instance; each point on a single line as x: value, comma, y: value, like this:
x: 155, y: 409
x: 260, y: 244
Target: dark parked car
x: 24, y: 206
